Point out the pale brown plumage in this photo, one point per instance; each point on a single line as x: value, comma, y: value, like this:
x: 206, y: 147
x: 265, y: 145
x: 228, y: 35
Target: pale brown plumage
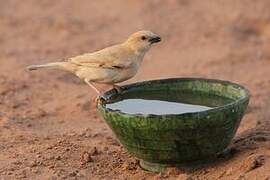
x: 111, y: 65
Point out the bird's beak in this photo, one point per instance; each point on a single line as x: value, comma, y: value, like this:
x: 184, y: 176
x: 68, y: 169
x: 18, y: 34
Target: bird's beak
x: 155, y: 39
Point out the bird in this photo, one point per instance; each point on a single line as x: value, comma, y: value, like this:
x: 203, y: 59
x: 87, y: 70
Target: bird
x: 110, y: 65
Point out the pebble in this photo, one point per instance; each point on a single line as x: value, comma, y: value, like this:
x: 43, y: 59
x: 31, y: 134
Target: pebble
x: 72, y: 174
x: 253, y: 162
x: 58, y: 158
x: 33, y: 164
x: 86, y: 158
x: 94, y: 151
x: 184, y: 177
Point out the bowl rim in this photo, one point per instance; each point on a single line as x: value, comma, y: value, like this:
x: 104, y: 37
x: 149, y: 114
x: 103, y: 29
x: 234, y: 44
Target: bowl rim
x: 111, y: 92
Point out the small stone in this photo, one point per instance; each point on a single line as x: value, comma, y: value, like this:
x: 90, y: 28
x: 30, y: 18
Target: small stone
x: 33, y: 164
x: 184, y: 177
x: 60, y: 141
x: 94, y: 151
x: 86, y: 158
x: 253, y: 162
x: 241, y: 177
x: 229, y: 172
x: 58, y: 158
x: 72, y: 174
x: 23, y: 175
x: 49, y: 147
x: 56, y: 172
x: 12, y: 169
x: 34, y: 171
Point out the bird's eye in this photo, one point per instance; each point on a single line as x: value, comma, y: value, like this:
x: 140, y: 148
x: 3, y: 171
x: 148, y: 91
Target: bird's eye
x: 143, y: 38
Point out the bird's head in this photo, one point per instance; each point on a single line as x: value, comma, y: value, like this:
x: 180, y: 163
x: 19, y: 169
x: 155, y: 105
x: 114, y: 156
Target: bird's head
x: 141, y: 41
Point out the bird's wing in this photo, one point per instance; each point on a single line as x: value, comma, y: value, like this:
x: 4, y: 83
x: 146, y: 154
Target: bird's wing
x: 112, y: 57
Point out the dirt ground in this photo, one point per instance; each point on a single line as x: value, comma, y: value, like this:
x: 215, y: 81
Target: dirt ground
x: 49, y: 127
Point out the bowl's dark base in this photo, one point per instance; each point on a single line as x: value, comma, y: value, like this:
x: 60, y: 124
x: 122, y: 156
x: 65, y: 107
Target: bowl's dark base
x: 159, y: 167
x: 153, y: 167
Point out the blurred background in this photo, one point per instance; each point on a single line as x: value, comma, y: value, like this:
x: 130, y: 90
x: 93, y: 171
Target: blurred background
x: 222, y: 39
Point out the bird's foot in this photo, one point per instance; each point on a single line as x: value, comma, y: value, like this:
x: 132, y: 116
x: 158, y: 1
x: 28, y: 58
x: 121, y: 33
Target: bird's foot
x: 118, y: 89
x: 100, y: 99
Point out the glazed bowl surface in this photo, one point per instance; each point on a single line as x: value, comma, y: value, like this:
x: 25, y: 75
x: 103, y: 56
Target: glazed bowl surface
x: 167, y: 139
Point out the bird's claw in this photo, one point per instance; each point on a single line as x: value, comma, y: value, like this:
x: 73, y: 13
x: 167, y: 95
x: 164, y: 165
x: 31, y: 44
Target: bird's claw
x: 118, y: 89
x: 100, y: 99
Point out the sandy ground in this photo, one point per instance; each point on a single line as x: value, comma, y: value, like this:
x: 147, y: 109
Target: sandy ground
x: 49, y: 127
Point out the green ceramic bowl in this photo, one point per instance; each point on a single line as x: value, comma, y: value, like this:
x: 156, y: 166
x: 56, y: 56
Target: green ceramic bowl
x: 162, y: 140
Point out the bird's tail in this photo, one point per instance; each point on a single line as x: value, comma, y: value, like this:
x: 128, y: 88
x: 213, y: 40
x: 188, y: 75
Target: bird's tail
x: 54, y: 65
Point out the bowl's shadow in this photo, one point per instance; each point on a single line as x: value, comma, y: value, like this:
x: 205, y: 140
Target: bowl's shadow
x: 244, y: 142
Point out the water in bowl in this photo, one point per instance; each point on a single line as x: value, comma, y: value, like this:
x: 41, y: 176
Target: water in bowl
x: 160, y: 103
